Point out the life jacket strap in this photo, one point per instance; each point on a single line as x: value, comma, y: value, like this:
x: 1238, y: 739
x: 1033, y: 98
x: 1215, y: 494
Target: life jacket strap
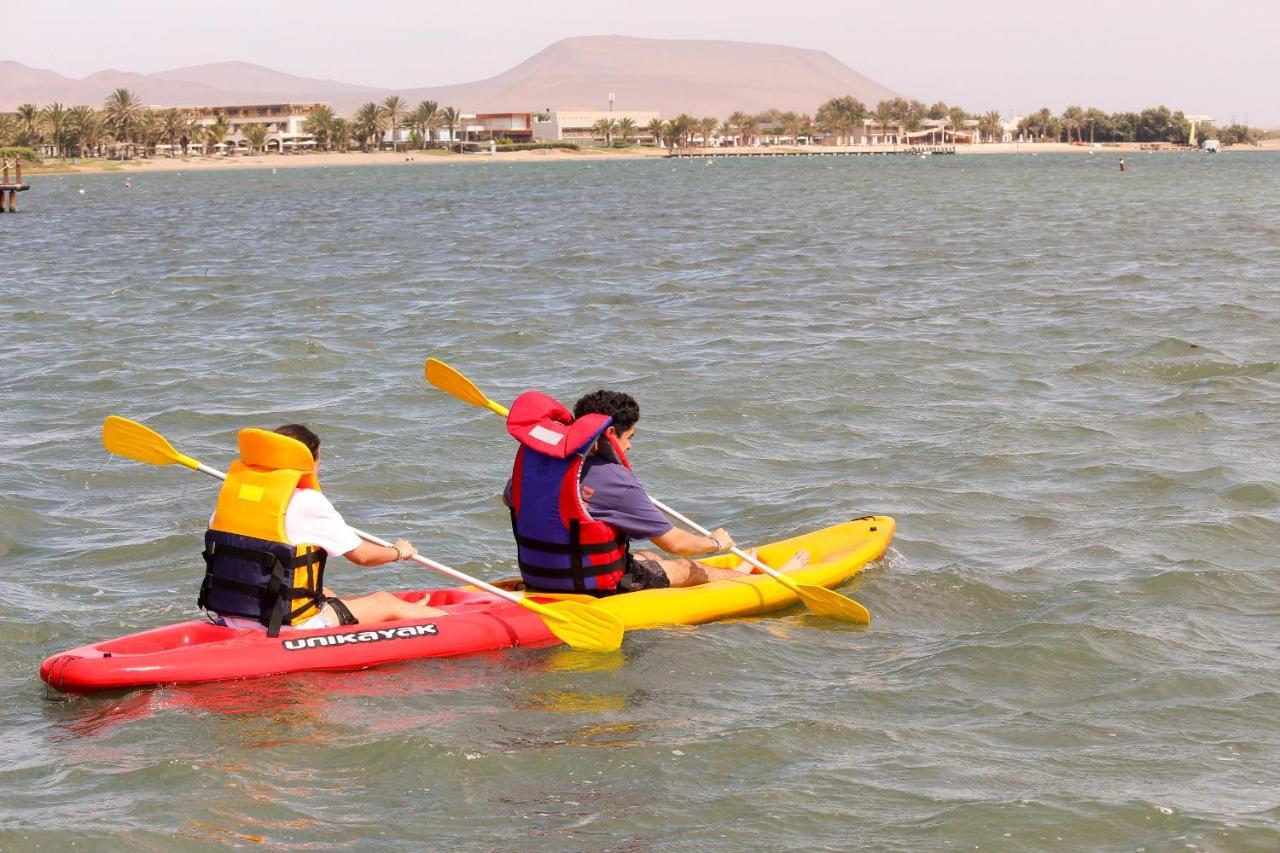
x: 565, y: 547
x: 279, y: 594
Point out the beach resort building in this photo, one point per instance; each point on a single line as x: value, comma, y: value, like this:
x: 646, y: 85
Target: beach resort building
x: 476, y: 127
x: 579, y: 125
x: 285, y: 125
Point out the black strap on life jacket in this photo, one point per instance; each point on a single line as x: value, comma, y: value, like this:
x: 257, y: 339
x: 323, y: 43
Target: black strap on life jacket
x: 579, y: 569
x: 275, y: 600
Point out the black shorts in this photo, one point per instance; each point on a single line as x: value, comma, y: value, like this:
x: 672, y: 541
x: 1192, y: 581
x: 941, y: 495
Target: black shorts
x: 643, y: 574
x: 344, y: 614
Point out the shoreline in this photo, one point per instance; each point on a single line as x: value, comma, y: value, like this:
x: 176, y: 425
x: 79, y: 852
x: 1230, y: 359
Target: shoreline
x: 207, y: 163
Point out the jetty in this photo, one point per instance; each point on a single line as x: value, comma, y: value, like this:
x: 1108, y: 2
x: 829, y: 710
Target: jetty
x: 11, y: 187
x: 812, y: 151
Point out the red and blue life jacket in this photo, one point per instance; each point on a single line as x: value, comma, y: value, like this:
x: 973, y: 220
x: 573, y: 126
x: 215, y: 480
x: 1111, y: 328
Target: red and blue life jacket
x: 559, y: 546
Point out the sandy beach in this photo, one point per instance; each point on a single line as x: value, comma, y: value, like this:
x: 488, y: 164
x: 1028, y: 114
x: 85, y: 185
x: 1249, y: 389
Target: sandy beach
x: 347, y: 159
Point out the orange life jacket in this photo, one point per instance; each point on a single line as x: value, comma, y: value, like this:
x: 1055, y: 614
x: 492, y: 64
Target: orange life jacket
x: 251, y: 569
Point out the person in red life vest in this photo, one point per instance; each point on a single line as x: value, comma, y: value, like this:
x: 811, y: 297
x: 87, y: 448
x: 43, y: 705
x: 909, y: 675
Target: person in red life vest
x: 269, y: 538
x: 576, y: 505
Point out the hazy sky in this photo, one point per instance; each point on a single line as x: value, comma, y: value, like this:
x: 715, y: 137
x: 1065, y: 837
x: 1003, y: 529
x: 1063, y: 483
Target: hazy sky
x: 1208, y: 56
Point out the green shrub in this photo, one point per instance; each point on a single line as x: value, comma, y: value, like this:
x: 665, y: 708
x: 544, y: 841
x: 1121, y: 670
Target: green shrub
x: 533, y: 146
x: 28, y: 155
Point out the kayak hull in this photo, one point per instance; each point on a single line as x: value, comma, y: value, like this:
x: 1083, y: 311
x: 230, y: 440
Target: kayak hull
x: 476, y: 621
x: 837, y: 553
x: 199, y: 651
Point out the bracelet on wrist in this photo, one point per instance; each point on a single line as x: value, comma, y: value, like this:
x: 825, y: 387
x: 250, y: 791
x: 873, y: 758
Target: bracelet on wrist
x: 399, y: 556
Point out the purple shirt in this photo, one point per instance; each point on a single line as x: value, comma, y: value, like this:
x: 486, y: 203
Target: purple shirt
x: 613, y: 494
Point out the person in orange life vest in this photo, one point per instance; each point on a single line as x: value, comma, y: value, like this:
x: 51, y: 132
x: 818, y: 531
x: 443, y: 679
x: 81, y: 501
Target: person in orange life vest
x: 269, y: 539
x: 611, y: 496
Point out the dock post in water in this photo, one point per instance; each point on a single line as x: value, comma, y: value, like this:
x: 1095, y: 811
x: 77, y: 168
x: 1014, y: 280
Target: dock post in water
x: 12, y: 188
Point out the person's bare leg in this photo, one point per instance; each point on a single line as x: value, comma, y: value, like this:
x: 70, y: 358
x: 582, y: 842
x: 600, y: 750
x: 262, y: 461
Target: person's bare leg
x: 385, y: 607
x: 682, y: 571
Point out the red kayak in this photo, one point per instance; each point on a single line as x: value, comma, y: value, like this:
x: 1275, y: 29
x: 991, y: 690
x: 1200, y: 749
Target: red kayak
x: 197, y: 651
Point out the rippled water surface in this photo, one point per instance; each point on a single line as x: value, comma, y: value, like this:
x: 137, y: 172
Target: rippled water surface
x: 1061, y: 380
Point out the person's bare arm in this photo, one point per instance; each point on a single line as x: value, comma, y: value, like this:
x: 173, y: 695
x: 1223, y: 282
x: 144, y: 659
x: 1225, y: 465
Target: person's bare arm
x: 368, y: 554
x: 686, y: 544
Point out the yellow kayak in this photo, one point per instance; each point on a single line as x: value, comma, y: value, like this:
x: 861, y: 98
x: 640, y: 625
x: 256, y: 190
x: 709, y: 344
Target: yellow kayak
x: 836, y: 554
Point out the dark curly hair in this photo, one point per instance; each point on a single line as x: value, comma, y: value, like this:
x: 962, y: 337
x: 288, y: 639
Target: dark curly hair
x: 623, y: 408
x: 301, y: 433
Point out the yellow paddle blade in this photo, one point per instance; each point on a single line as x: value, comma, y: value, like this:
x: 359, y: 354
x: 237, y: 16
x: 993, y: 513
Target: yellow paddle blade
x: 581, y: 625
x: 452, y: 382
x: 131, y: 439
x: 828, y: 602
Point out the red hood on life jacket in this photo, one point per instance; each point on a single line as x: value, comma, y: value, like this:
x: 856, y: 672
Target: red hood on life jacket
x: 542, y: 424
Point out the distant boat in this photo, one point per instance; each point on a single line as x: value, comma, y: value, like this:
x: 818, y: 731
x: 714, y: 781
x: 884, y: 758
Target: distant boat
x: 1211, y: 146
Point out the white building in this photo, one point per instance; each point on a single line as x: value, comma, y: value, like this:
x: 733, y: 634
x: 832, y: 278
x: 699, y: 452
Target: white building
x: 579, y: 125
x: 285, y: 125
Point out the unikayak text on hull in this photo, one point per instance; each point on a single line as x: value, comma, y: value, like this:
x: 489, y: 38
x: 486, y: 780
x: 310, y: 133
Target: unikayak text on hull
x: 199, y: 651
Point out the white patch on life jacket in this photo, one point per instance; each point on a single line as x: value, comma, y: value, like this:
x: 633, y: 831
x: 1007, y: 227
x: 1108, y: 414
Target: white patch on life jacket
x: 545, y: 435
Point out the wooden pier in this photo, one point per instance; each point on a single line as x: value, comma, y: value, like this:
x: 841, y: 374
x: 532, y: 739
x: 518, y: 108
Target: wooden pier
x: 12, y: 188
x: 812, y: 151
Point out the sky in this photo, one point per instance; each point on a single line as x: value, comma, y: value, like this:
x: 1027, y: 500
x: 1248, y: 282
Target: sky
x: 1015, y: 56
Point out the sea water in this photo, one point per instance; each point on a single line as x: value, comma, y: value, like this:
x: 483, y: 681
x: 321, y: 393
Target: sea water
x: 1060, y: 379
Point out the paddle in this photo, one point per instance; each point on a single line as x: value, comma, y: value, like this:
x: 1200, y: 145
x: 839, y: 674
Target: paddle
x: 822, y: 601
x: 580, y: 625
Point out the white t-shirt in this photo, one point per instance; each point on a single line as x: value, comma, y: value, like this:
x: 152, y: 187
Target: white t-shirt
x: 310, y: 519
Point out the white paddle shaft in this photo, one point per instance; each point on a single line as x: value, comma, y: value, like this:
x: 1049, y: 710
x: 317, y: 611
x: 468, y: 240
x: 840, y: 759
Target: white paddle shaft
x: 735, y: 550
x: 417, y: 558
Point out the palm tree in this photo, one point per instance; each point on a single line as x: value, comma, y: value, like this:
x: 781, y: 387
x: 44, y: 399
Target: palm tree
x: 122, y: 109
x: 627, y: 129
x: 192, y: 134
x: 393, y: 108
x: 29, y: 116
x: 605, y: 127
x: 884, y: 113
x: 427, y: 118
x: 655, y: 128
x: 56, y: 119
x: 8, y: 129
x: 79, y: 119
x: 748, y: 127
x: 1094, y: 117
x: 173, y: 124
x: 369, y: 123
x: 991, y: 125
x: 682, y: 127
x: 450, y: 116
x: 1073, y: 118
x: 216, y: 132
x: 733, y: 125
x: 706, y: 128
x: 340, y: 133
x: 791, y: 125
x: 320, y: 125
x: 149, y: 130
x: 957, y: 116
x: 255, y: 135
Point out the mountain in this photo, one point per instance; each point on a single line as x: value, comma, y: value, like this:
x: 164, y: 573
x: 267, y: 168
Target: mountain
x: 698, y: 77
x: 265, y: 82
x: 670, y: 76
